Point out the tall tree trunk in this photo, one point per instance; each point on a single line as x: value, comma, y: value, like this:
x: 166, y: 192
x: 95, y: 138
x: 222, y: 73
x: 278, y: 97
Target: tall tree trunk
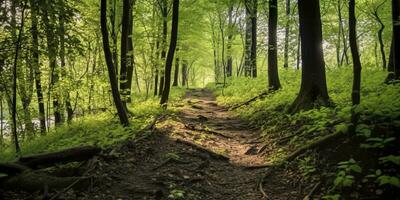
x: 354, y: 52
x: 390, y: 67
x: 184, y: 72
x: 68, y: 105
x: 156, y: 72
x: 229, y: 60
x: 313, y: 82
x: 176, y: 72
x: 171, y: 52
x: 123, y: 117
x: 52, y: 49
x: 287, y: 30
x: 396, y: 37
x: 114, y: 34
x: 124, y: 51
x: 164, y: 12
x: 130, y: 56
x: 273, y: 77
x: 380, y: 37
x: 254, y: 39
x: 15, y: 65
x: 248, y: 39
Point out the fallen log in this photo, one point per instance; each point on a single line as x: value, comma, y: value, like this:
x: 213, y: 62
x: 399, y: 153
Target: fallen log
x: 61, y: 157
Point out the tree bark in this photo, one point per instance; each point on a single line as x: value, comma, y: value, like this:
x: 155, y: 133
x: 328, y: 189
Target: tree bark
x: 124, y: 51
x: 123, y: 117
x: 313, y: 88
x: 390, y: 77
x: 380, y: 37
x: 176, y: 72
x: 229, y: 60
x: 171, y: 52
x: 52, y: 49
x: 254, y: 39
x: 130, y: 56
x: 396, y: 37
x: 287, y: 30
x: 273, y: 77
x: 354, y: 52
x: 164, y: 12
x: 184, y: 72
x: 248, y: 39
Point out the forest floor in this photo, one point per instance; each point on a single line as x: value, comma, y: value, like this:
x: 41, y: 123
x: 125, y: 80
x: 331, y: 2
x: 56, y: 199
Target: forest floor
x: 201, y: 152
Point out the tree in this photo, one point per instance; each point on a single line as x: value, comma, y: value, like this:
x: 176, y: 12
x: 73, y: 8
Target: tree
x: 171, y: 52
x: 396, y: 37
x: 123, y: 117
x: 273, y: 77
x: 287, y: 30
x: 253, y: 56
x: 355, y: 55
x: 176, y: 71
x: 313, y: 89
x: 164, y: 12
x: 35, y: 64
x: 52, y: 49
x: 125, y: 61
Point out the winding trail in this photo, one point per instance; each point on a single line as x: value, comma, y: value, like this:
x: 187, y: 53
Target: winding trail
x: 201, y: 153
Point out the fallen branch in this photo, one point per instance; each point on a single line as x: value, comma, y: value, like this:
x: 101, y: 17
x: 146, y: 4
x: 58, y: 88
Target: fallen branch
x: 322, y: 142
x: 316, y: 186
x: 196, y: 146
x: 65, y: 156
x: 260, y: 96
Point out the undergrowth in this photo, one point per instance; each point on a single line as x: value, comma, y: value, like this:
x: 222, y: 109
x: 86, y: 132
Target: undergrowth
x: 369, y: 164
x: 101, y: 129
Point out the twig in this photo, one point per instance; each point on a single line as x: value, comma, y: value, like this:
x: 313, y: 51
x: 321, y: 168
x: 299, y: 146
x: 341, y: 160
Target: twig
x: 316, y: 186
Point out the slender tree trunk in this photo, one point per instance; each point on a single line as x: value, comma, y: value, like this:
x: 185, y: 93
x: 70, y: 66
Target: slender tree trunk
x: 156, y: 73
x: 124, y: 51
x: 176, y: 72
x: 298, y: 52
x: 248, y: 39
x: 184, y: 72
x: 313, y: 88
x: 1, y: 121
x: 229, y: 60
x: 164, y: 12
x: 15, y: 65
x: 52, y: 49
x: 390, y: 67
x: 287, y: 30
x: 254, y: 39
x: 171, y: 52
x: 68, y: 105
x: 130, y: 56
x: 339, y: 36
x: 396, y: 37
x: 354, y: 52
x: 114, y: 34
x: 110, y: 66
x: 380, y: 39
x: 273, y: 77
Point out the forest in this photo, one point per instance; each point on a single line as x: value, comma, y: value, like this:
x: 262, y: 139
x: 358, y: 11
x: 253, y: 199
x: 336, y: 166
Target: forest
x: 199, y: 99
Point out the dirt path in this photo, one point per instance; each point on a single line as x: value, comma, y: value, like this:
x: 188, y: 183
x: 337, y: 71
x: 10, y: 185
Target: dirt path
x: 201, y: 153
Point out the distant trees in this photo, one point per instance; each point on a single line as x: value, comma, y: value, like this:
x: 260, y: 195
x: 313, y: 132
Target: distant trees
x: 313, y: 89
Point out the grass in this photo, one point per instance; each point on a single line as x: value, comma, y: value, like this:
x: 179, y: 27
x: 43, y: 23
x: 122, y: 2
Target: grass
x: 101, y: 130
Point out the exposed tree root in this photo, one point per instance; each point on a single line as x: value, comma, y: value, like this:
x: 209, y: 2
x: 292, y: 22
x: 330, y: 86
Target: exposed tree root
x: 12, y: 168
x: 194, y: 128
x: 260, y: 96
x: 320, y: 143
x: 196, y: 146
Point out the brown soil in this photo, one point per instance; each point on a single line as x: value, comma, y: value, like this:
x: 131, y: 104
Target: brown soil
x: 203, y: 152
